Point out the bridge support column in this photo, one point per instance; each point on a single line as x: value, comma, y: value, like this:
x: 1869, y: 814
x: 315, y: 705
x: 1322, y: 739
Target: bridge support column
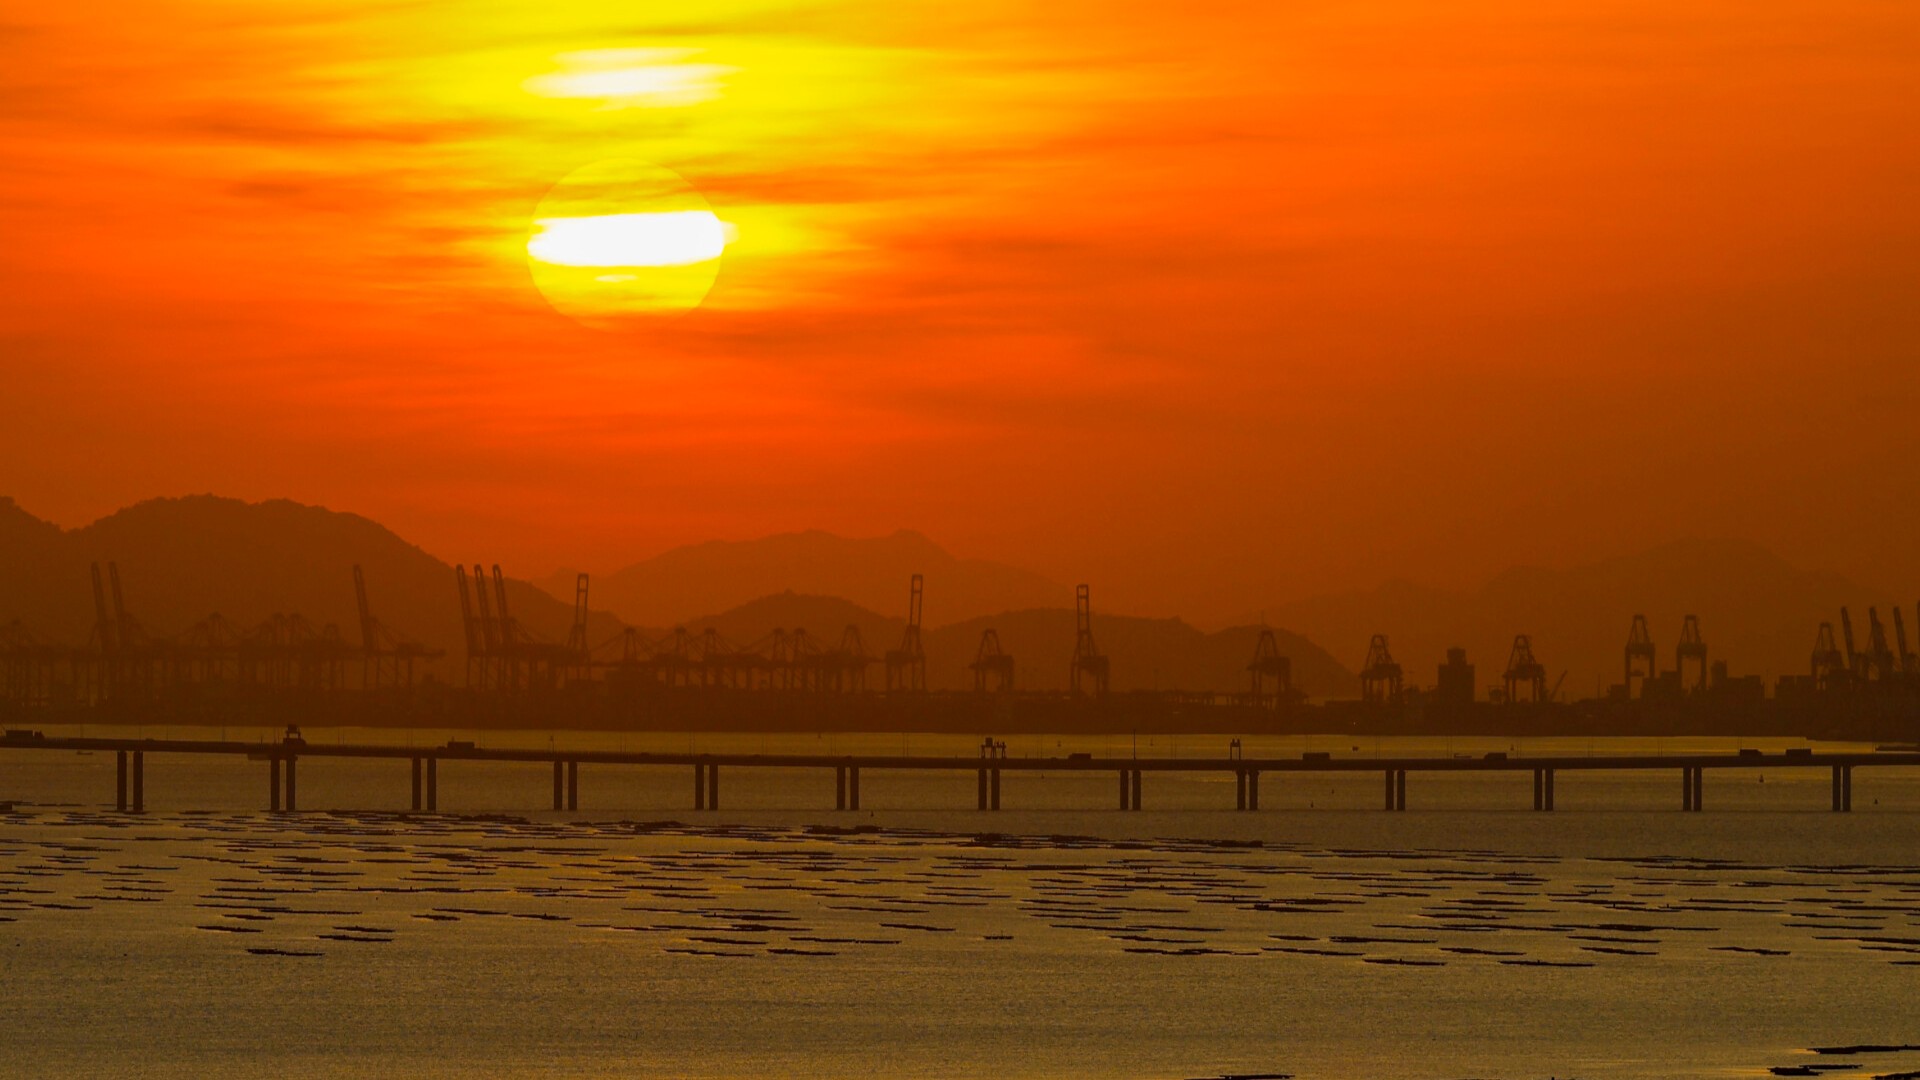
x: 853, y: 787
x: 1846, y: 788
x: 416, y: 785
x: 273, y: 784
x: 292, y: 805
x: 699, y: 786
x: 839, y: 787
x: 1549, y: 773
x: 1136, y: 789
x: 1699, y: 787
x: 1240, y: 789
x: 433, y: 785
x: 1539, y: 789
x: 120, y: 783
x: 993, y: 789
x: 1253, y: 789
x: 1836, y: 789
x: 713, y: 787
x: 983, y: 789
x: 573, y: 785
x: 1388, y: 774
x: 556, y: 785
x: 140, y: 783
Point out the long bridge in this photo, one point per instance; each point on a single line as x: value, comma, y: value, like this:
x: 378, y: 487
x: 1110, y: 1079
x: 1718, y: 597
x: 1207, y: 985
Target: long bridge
x: 282, y: 760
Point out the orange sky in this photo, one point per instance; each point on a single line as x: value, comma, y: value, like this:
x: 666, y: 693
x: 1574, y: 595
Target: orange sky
x: 1210, y: 304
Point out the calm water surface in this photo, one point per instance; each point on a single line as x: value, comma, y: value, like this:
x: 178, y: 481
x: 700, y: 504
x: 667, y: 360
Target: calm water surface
x: 1320, y: 937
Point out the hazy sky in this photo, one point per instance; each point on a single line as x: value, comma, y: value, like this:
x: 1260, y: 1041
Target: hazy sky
x: 1210, y: 304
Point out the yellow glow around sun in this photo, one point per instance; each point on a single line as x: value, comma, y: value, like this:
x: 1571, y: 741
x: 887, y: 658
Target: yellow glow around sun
x: 632, y: 78
x: 621, y: 240
x: 673, y: 238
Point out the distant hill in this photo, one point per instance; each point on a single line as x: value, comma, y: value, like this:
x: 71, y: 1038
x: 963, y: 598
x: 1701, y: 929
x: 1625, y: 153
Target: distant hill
x: 1757, y: 612
x: 825, y: 618
x: 183, y: 559
x: 1145, y: 653
x: 696, y: 580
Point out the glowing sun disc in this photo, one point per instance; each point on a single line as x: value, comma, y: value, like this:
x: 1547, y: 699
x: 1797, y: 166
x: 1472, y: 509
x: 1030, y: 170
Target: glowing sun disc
x: 672, y: 238
x: 620, y: 241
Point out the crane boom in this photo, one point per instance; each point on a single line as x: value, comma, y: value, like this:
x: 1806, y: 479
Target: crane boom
x: 369, y: 630
x: 109, y: 637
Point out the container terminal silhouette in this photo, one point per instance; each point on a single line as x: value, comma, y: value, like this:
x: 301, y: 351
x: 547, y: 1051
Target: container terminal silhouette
x: 791, y: 679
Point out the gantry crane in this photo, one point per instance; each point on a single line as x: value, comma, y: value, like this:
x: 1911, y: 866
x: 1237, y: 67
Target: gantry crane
x: 1269, y: 667
x: 1830, y: 669
x: 1640, y: 656
x: 1877, y: 663
x: 1090, y: 670
x: 1690, y: 655
x: 992, y: 667
x: 907, y: 665
x: 385, y: 658
x: 1525, y: 671
x: 579, y: 654
x: 1380, y: 674
x: 848, y: 663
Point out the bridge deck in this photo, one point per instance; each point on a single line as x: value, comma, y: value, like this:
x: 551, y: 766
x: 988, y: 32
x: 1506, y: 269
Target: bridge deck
x: 284, y: 757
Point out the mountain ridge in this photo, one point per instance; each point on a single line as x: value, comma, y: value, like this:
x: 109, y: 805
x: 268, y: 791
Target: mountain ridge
x: 696, y: 580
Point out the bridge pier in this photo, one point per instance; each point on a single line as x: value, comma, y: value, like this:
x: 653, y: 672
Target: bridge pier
x: 556, y: 786
x: 1240, y: 789
x: 839, y: 787
x: 1691, y: 788
x: 1396, y: 789
x: 433, y: 785
x: 573, y: 785
x: 140, y: 783
x: 713, y: 786
x: 273, y: 785
x: 1136, y: 789
x: 699, y: 786
x: 120, y: 783
x: 1549, y: 786
x: 416, y: 785
x: 1253, y: 789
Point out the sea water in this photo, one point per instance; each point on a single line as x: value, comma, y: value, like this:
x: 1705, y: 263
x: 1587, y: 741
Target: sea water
x: 1320, y: 937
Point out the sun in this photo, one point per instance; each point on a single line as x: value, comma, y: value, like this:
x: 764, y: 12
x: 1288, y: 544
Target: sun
x: 624, y: 240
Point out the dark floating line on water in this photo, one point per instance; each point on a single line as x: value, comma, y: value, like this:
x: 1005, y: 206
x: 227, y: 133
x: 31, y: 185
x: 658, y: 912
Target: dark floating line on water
x: 1548, y: 963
